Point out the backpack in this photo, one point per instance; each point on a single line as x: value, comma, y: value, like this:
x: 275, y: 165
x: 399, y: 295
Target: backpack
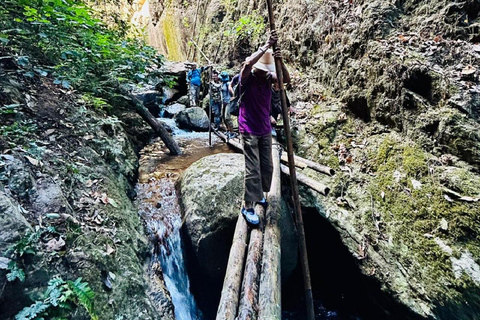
x: 236, y: 99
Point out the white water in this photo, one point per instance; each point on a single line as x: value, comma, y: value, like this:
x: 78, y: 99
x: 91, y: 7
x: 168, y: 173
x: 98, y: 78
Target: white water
x: 175, y: 275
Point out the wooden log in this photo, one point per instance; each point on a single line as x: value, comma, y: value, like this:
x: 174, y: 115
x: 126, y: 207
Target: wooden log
x: 157, y: 126
x: 248, y: 307
x: 315, y: 185
x: 311, y: 164
x: 309, y: 182
x: 227, y: 308
x: 270, y: 299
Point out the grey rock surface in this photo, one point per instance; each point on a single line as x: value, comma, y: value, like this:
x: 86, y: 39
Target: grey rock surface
x: 192, y: 119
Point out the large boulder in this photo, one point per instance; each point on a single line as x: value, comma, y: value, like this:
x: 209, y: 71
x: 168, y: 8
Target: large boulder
x: 211, y: 194
x: 184, y: 100
x: 193, y: 119
x: 173, y: 109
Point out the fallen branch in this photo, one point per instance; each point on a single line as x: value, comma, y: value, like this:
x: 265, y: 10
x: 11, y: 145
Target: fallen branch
x: 157, y: 126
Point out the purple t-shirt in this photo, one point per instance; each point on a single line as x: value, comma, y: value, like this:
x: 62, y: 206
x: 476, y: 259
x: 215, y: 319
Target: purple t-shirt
x: 254, y: 114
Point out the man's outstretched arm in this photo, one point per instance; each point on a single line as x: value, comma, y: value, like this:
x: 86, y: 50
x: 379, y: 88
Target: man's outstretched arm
x: 248, y: 65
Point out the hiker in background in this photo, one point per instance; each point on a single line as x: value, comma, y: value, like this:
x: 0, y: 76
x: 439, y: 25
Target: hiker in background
x: 194, y: 81
x: 215, y: 91
x: 225, y: 79
x: 231, y: 107
x: 256, y: 78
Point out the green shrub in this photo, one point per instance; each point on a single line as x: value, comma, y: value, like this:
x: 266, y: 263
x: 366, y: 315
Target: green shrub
x: 63, y: 39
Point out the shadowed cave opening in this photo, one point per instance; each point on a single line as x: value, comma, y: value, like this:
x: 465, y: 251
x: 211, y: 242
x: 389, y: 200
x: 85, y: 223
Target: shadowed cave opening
x: 340, y: 289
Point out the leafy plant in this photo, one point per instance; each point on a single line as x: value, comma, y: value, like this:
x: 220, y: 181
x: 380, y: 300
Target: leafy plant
x: 250, y: 26
x: 62, y: 38
x: 59, y: 299
x: 26, y: 245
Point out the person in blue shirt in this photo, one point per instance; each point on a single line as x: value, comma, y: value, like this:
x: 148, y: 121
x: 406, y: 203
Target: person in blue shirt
x: 194, y: 81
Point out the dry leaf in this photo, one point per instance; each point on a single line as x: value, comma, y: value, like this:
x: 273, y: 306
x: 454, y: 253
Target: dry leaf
x: 33, y: 161
x: 109, y: 250
x: 468, y: 70
x: 55, y: 245
x: 49, y: 132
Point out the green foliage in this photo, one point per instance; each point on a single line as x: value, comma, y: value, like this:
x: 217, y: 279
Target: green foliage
x: 59, y: 299
x: 62, y: 38
x: 26, y: 245
x: 15, y: 272
x: 251, y: 27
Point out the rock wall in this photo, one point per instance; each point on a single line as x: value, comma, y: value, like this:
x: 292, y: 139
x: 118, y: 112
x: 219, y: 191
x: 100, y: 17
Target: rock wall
x: 67, y: 174
x: 387, y: 93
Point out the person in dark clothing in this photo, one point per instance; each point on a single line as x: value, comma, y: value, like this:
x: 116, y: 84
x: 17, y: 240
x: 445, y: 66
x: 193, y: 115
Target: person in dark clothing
x: 256, y: 78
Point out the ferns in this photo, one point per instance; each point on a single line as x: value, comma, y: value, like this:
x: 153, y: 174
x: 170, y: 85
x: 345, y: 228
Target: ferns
x: 59, y: 298
x: 84, y: 295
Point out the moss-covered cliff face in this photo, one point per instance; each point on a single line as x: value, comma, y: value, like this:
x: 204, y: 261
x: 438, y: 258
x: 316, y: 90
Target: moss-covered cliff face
x: 66, y: 174
x: 388, y: 94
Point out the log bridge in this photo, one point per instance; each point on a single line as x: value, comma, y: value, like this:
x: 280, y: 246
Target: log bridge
x: 252, y: 284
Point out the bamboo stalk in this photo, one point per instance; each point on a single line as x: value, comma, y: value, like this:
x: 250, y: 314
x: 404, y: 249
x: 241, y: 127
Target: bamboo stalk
x: 227, y: 308
x: 311, y: 164
x: 313, y: 184
x: 248, y: 307
x: 270, y: 298
x: 293, y: 179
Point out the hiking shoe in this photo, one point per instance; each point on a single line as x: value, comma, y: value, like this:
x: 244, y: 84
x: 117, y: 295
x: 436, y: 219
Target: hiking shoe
x: 251, y: 216
x: 231, y: 135
x: 263, y: 203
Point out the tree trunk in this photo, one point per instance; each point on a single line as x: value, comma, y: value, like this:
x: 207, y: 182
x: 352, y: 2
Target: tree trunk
x: 156, y: 125
x: 248, y: 308
x: 270, y: 298
x: 227, y: 308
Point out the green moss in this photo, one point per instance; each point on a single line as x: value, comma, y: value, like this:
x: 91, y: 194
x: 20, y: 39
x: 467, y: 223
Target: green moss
x: 408, y: 214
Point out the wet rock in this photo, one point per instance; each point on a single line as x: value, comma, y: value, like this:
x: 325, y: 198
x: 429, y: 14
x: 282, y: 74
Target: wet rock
x: 151, y: 100
x: 173, y: 109
x: 211, y: 193
x: 192, y: 119
x: 184, y: 100
x: 20, y: 181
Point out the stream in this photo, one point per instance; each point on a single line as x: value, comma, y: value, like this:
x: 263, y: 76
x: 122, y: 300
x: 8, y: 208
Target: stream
x: 159, y: 208
x: 158, y: 205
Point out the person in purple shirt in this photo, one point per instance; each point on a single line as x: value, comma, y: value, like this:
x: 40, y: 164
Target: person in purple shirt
x: 256, y: 78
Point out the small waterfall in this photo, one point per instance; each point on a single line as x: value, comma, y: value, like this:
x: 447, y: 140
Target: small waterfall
x: 171, y: 256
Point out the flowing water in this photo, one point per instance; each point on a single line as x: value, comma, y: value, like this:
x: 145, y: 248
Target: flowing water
x: 158, y: 206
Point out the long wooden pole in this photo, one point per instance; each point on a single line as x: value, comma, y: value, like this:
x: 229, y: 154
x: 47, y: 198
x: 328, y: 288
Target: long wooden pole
x: 248, y: 307
x: 270, y: 297
x: 293, y: 180
x: 228, y: 306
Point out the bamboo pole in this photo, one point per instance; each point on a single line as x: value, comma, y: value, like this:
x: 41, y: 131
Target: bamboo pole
x: 203, y: 54
x: 313, y: 184
x: 194, y: 27
x: 270, y: 298
x: 311, y: 164
x: 248, y: 307
x: 227, y: 308
x: 293, y: 180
